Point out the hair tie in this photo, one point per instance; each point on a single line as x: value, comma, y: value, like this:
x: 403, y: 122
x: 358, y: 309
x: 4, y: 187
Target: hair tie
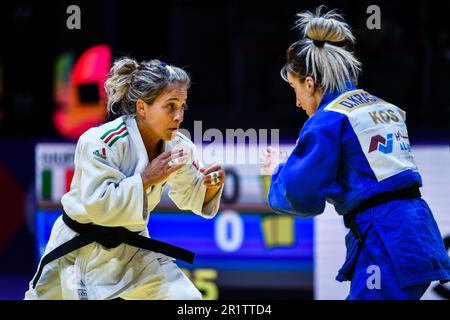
x: 319, y: 43
x: 165, y: 65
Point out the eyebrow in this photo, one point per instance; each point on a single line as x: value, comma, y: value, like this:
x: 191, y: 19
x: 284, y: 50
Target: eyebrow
x: 173, y: 98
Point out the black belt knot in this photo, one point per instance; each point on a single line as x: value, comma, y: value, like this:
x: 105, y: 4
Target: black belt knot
x: 110, y: 239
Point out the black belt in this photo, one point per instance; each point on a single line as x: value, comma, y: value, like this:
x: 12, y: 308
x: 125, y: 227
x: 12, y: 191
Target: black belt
x: 406, y: 193
x: 109, y: 237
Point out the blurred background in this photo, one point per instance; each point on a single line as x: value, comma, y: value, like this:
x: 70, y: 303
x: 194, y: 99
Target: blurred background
x: 51, y: 90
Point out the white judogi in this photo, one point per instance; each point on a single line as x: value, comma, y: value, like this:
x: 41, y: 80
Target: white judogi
x: 107, y: 190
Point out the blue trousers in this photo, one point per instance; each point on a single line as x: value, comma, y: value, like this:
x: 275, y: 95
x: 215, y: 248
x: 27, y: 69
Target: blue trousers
x: 401, y: 253
x: 374, y: 277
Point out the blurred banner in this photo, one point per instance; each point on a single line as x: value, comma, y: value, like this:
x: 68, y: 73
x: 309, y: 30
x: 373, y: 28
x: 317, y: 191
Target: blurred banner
x: 78, y: 90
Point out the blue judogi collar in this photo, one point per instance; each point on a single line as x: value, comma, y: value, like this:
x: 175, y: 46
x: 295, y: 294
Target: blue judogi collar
x: 330, y: 96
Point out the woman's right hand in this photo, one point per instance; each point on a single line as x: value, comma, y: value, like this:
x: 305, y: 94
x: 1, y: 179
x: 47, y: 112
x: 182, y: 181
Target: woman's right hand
x: 270, y: 159
x: 160, y: 168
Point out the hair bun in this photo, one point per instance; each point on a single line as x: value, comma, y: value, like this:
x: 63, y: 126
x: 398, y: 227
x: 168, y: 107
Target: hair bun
x: 329, y: 27
x: 124, y: 66
x: 323, y: 51
x: 118, y: 82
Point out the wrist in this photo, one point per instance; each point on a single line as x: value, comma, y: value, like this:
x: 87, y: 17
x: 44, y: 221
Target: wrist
x: 146, y: 181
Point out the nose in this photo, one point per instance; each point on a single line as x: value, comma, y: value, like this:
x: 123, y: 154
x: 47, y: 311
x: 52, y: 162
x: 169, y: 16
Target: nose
x: 178, y: 117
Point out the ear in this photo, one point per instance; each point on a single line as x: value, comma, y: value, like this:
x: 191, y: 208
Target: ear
x: 310, y: 85
x: 140, y: 107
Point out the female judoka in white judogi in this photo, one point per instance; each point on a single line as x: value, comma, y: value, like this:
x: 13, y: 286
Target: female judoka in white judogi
x: 121, y: 168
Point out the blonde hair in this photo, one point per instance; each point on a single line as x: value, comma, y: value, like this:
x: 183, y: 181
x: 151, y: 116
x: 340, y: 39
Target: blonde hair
x: 322, y: 51
x: 129, y: 81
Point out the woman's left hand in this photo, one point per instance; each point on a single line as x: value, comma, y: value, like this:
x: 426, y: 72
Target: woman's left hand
x: 213, y: 176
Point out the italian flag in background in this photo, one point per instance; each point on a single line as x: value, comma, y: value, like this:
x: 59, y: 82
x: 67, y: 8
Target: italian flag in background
x: 55, y: 182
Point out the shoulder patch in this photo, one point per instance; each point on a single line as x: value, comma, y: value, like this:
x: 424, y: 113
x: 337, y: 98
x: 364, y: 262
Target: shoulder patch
x: 111, y: 136
x: 353, y: 100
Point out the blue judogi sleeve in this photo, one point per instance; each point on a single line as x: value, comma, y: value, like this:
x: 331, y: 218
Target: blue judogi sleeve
x: 300, y: 185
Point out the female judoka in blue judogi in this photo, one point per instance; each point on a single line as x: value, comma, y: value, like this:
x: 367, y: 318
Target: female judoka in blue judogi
x: 354, y: 153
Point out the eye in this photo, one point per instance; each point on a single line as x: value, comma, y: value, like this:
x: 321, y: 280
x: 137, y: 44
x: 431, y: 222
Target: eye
x: 171, y: 106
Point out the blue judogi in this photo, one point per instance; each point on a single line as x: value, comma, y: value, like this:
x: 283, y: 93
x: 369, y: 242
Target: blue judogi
x: 352, y: 148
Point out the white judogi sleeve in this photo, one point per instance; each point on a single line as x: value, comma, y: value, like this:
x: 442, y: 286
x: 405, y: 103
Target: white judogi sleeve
x: 109, y: 197
x: 187, y: 190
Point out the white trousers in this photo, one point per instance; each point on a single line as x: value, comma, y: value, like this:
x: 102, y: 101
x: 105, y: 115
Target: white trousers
x: 96, y: 273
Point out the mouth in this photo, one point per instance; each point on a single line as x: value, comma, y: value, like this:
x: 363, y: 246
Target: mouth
x: 173, y: 129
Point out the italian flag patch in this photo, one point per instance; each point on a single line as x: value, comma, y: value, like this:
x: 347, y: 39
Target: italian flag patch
x: 111, y: 136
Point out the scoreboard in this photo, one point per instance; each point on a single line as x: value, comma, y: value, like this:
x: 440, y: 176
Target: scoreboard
x: 246, y: 247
